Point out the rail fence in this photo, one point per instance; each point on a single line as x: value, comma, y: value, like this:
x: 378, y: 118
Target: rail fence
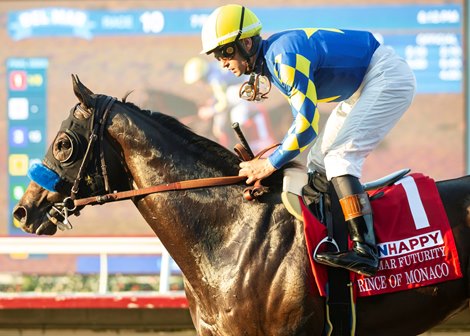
x: 103, y: 247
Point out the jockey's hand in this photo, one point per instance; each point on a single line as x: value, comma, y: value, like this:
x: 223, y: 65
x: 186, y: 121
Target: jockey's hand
x: 257, y: 169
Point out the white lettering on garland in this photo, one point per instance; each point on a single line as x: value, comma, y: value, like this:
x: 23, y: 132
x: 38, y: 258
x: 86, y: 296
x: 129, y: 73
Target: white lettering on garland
x: 427, y: 273
x: 409, y: 245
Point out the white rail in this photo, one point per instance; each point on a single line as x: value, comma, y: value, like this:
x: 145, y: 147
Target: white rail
x: 102, y: 246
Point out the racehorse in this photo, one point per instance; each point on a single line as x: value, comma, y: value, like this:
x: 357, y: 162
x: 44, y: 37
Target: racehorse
x: 245, y: 264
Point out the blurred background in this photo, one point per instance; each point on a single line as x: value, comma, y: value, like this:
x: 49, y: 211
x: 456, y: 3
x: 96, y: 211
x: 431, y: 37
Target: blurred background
x: 151, y: 48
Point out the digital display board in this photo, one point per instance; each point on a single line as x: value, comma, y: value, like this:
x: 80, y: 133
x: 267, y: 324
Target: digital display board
x: 427, y: 36
x: 26, y: 115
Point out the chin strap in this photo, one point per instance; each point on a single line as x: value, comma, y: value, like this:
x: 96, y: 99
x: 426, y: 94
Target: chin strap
x: 240, y: 45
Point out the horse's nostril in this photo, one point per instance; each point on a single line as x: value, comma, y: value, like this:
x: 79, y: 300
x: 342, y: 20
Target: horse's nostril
x: 20, y: 213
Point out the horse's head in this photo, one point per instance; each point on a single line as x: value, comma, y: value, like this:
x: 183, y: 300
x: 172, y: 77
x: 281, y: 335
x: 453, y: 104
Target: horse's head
x: 74, y: 166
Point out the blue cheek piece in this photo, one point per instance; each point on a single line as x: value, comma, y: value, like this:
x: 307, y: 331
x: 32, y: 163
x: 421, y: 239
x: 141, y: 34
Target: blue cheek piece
x: 43, y: 176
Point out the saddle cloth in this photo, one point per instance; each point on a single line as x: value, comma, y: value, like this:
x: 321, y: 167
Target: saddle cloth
x: 415, y: 242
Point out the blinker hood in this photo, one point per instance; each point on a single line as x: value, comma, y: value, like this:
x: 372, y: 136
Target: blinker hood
x: 60, y: 175
x: 79, y: 131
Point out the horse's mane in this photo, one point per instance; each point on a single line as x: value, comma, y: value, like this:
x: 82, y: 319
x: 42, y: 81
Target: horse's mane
x: 189, y: 137
x: 210, y: 147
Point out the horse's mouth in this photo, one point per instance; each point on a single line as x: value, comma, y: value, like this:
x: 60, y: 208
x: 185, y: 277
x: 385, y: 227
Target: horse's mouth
x: 45, y: 227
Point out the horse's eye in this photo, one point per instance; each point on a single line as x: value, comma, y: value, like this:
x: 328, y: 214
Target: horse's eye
x: 63, y: 147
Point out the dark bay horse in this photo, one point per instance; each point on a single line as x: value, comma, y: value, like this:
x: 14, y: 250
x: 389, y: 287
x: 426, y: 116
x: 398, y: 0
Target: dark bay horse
x: 245, y: 264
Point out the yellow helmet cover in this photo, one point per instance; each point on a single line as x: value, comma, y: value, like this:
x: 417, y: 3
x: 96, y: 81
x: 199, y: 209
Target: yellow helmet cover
x: 227, y: 24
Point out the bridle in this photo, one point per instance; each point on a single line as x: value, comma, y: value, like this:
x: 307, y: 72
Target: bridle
x: 59, y: 212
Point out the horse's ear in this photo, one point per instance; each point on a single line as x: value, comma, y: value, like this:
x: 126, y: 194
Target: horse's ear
x: 83, y: 93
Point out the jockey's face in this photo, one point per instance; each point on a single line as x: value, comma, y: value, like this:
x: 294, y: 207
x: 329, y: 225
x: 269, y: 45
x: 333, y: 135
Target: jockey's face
x: 231, y: 58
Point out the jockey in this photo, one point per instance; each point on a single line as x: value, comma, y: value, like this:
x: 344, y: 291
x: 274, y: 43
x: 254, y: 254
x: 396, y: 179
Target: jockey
x: 371, y: 83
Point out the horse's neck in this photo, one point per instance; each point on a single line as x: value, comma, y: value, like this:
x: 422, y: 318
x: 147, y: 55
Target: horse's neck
x: 161, y: 139
x: 184, y: 221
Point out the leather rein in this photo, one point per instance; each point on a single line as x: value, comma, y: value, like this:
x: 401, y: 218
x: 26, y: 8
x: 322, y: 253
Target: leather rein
x: 250, y: 192
x: 181, y: 185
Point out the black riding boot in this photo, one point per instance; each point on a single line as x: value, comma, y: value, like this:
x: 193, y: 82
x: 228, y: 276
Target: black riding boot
x: 362, y: 258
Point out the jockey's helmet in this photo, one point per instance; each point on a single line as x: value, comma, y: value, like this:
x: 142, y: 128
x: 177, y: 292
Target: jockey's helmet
x: 228, y: 24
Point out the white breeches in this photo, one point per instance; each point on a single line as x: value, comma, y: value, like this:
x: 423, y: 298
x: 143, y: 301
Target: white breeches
x: 357, y: 125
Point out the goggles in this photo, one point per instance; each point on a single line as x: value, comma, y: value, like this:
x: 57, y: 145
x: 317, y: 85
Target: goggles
x: 256, y: 88
x: 226, y: 52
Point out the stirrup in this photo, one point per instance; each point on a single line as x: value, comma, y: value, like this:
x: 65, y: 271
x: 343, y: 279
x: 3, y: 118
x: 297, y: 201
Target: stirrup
x: 326, y: 240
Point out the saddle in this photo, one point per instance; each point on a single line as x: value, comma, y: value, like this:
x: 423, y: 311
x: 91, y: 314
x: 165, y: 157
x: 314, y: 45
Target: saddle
x: 312, y: 186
